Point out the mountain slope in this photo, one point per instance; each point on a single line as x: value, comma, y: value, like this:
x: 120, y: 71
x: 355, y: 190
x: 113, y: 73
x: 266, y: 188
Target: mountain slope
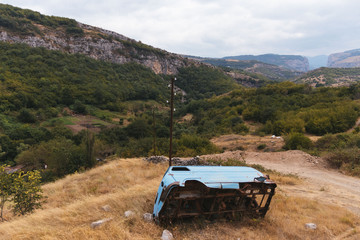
x: 273, y: 72
x: 293, y: 62
x: 251, y: 68
x: 56, y: 33
x: 348, y: 59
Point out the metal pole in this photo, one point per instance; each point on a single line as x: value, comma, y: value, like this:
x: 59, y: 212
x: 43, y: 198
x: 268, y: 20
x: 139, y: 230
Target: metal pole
x: 171, y: 117
x: 154, y: 125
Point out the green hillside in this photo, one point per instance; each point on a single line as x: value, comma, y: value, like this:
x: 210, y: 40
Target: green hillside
x: 38, y: 84
x: 64, y: 110
x: 331, y: 77
x: 24, y: 21
x: 283, y: 108
x: 39, y: 78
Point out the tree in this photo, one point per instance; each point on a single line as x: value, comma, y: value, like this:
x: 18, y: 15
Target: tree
x: 89, y: 146
x: 22, y: 189
x: 27, y: 192
x: 5, y: 188
x: 297, y: 140
x: 26, y: 116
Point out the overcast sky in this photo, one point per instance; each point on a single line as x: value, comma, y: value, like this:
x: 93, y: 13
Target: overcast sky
x: 217, y: 28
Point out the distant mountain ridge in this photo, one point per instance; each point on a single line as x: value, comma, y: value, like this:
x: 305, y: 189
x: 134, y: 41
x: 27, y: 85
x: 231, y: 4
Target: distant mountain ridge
x: 292, y: 62
x: 330, y: 77
x: 347, y: 59
x: 270, y: 71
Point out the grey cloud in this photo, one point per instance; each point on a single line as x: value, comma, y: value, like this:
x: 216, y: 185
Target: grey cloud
x: 217, y: 28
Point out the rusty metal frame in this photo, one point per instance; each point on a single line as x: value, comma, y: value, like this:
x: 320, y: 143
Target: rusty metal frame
x: 195, y: 199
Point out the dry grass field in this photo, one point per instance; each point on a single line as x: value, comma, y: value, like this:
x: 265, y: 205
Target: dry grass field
x: 76, y: 201
x: 234, y: 142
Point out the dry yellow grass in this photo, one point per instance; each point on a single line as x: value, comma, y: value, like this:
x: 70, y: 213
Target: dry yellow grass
x: 130, y: 184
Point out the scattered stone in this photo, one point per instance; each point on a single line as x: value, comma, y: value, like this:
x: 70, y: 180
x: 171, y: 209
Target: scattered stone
x: 156, y: 159
x: 167, y: 235
x: 99, y: 222
x: 148, y: 217
x: 310, y: 226
x: 106, y: 208
x: 195, y: 161
x: 129, y: 213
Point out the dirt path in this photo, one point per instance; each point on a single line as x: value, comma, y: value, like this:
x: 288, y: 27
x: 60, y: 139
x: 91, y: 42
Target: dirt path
x: 355, y: 126
x: 320, y: 183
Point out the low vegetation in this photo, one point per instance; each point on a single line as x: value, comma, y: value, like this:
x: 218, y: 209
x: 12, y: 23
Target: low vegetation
x: 22, y: 190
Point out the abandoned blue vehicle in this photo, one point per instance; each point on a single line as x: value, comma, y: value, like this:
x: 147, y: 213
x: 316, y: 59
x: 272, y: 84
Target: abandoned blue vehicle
x: 212, y: 192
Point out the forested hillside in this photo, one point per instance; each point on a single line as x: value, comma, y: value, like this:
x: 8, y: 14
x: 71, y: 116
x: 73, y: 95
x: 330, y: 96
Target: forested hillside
x: 122, y: 107
x: 283, y: 108
x: 38, y: 85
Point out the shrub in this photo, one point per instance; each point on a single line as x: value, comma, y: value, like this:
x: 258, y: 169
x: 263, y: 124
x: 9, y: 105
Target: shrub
x: 60, y: 155
x: 191, y: 145
x: 139, y: 129
x: 26, y: 116
x: 340, y: 157
x: 79, y: 107
x: 297, y: 141
x: 26, y: 192
x: 261, y: 146
x: 22, y: 189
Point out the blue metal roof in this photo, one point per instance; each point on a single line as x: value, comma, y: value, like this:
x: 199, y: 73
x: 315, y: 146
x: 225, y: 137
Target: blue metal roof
x: 211, y: 176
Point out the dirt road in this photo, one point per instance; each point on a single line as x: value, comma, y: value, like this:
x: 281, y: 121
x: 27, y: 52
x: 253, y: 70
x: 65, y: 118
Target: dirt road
x: 319, y: 182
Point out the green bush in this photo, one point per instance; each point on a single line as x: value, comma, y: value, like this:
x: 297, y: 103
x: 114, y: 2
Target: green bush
x: 22, y: 189
x: 261, y: 146
x: 26, y: 116
x: 347, y: 159
x: 192, y: 145
x: 297, y: 141
x: 61, y: 156
x: 79, y: 107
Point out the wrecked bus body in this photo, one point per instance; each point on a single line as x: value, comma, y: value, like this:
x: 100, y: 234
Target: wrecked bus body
x: 212, y: 192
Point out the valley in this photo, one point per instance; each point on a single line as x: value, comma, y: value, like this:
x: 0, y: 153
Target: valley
x: 84, y: 105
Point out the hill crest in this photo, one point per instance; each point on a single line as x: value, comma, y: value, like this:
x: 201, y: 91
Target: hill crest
x: 55, y: 33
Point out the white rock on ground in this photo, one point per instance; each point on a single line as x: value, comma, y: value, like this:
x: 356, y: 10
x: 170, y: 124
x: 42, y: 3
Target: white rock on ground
x: 148, y: 217
x: 99, y: 222
x: 129, y: 213
x: 310, y: 226
x: 167, y: 235
x: 106, y: 208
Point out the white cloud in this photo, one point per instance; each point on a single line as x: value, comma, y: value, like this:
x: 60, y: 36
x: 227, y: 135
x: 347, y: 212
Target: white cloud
x: 217, y: 28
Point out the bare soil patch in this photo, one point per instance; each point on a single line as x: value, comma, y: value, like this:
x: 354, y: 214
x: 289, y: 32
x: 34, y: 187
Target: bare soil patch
x: 83, y: 122
x: 248, y: 142
x: 321, y: 183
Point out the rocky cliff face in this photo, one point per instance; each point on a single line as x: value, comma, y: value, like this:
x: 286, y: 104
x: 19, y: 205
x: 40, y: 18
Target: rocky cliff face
x: 348, y: 59
x: 103, y: 45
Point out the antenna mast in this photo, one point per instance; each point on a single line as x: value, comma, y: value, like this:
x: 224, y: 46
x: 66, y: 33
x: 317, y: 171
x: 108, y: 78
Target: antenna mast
x: 171, y: 118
